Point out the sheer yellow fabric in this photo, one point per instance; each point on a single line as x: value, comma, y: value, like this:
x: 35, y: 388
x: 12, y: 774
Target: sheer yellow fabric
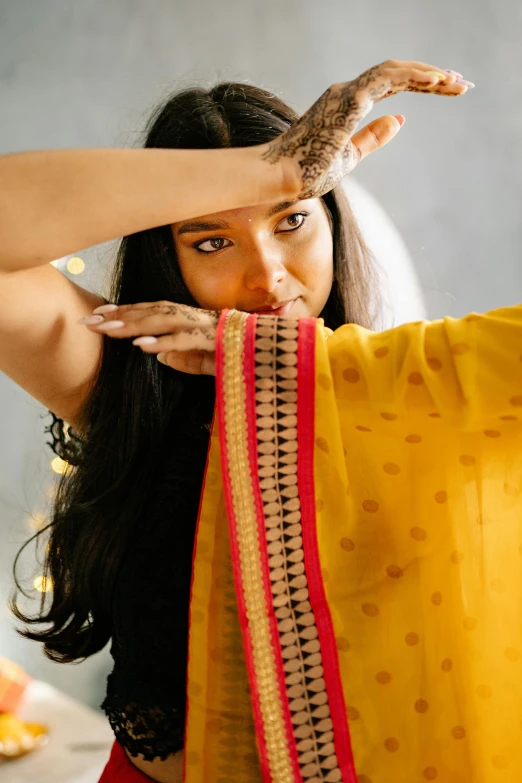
x: 418, y: 496
x: 220, y: 743
x: 421, y: 542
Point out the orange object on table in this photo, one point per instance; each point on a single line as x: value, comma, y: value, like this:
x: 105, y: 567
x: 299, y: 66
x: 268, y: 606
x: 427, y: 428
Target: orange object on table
x: 13, y: 682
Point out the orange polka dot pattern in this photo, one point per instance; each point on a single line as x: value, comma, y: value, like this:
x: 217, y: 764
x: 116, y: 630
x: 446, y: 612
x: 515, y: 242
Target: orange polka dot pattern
x: 418, y: 498
x: 424, y: 554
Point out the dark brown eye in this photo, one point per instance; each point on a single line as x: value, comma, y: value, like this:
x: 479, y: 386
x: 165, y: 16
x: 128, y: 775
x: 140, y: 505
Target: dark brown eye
x: 216, y: 243
x: 294, y: 221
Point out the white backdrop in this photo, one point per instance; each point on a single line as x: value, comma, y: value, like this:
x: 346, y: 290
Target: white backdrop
x: 440, y: 205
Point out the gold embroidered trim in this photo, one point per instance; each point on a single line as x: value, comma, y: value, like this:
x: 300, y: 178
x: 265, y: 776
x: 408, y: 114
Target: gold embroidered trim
x: 235, y: 421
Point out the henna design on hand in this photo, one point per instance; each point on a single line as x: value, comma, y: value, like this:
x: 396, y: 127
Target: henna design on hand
x: 320, y: 140
x: 206, y: 332
x: 194, y: 314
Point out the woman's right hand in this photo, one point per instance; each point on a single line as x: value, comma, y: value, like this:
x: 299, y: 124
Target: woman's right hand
x: 321, y: 148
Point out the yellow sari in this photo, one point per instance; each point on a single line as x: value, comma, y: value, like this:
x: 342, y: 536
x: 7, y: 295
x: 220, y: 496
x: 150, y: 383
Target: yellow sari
x: 356, y: 606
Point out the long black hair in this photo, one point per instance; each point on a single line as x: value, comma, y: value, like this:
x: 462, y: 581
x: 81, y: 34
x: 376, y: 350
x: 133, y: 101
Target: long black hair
x: 141, y: 418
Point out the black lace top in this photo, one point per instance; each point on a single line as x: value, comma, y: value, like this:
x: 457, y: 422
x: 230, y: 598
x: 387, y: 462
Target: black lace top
x: 145, y: 700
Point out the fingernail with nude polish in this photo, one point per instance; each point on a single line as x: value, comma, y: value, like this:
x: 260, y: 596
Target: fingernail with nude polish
x: 91, y: 319
x: 161, y: 358
x: 109, y: 325
x: 463, y: 81
x: 147, y: 340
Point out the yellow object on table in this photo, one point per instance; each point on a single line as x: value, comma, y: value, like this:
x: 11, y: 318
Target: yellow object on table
x: 16, y: 737
x: 13, y: 682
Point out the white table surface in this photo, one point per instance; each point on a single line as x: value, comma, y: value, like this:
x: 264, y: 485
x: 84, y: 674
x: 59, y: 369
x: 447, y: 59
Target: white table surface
x: 79, y: 743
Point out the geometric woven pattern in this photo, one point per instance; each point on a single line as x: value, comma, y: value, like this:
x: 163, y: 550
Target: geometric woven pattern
x: 277, y: 452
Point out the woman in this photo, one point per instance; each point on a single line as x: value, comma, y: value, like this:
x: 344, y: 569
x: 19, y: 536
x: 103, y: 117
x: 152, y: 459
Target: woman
x: 242, y: 244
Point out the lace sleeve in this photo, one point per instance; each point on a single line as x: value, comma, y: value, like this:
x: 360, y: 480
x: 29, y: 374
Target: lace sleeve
x: 66, y: 442
x: 155, y: 731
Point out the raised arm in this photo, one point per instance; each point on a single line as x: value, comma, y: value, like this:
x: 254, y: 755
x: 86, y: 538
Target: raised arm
x: 55, y: 202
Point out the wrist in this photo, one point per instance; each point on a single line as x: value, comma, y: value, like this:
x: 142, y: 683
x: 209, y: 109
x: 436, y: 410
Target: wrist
x: 279, y: 176
x: 291, y: 175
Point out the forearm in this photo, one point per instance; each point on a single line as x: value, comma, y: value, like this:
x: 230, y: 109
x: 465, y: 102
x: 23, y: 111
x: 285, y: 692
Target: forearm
x: 57, y: 202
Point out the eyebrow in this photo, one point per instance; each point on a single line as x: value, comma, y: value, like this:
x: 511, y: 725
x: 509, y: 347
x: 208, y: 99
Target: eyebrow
x: 197, y: 225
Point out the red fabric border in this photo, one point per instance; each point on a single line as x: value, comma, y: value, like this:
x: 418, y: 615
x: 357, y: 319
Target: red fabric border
x: 306, y: 483
x: 233, y: 543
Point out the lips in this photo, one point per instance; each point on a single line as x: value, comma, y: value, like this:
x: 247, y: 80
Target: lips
x: 279, y: 310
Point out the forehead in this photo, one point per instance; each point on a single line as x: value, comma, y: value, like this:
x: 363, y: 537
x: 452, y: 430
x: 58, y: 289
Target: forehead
x: 231, y: 217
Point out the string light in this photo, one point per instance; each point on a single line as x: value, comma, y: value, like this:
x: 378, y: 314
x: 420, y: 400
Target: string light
x: 37, y: 521
x: 43, y: 584
x: 75, y: 265
x: 59, y: 465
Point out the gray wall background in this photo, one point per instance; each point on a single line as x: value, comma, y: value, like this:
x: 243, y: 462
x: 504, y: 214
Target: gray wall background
x: 86, y: 74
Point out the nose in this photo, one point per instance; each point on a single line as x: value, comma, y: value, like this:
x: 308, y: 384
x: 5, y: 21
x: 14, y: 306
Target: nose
x: 265, y: 268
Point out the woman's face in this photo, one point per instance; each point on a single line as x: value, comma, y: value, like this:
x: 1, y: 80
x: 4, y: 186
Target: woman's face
x: 258, y: 258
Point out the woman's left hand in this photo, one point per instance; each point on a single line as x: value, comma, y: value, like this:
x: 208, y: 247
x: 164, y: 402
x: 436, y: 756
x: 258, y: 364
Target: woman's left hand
x: 184, y: 336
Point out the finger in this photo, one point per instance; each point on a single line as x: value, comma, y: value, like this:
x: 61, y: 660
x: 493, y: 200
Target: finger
x: 397, y: 79
x: 400, y: 79
x: 150, y: 322
x: 450, y: 74
x: 191, y: 362
x: 183, y: 315
x: 451, y: 90
x: 199, y: 339
x: 376, y: 134
x: 448, y: 85
x: 122, y: 308
x: 132, y: 312
x: 427, y: 67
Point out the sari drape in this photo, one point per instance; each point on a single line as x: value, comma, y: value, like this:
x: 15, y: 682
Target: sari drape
x: 356, y: 600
